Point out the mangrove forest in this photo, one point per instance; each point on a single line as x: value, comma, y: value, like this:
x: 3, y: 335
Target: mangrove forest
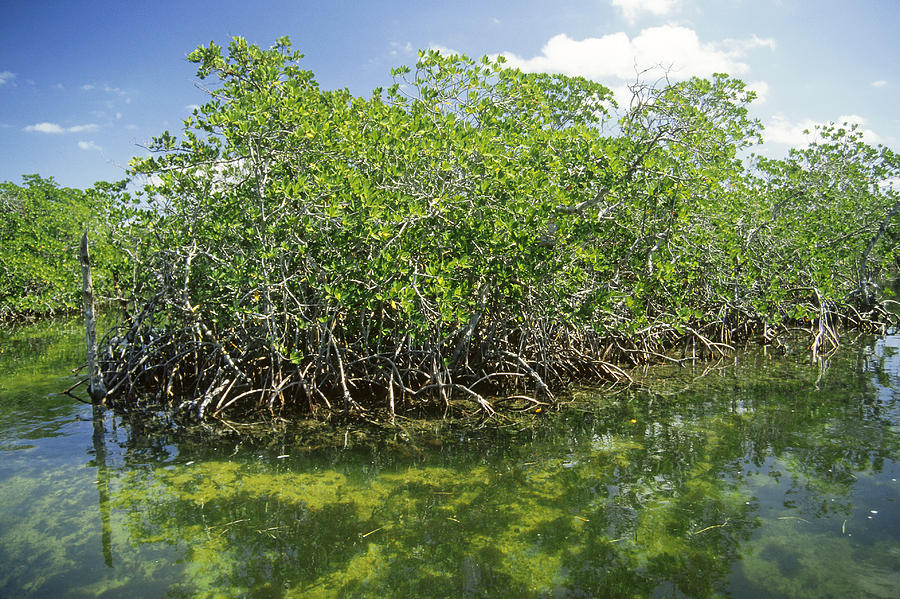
x: 472, y: 239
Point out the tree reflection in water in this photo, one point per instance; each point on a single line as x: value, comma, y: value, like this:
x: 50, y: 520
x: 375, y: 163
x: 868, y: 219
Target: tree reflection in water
x: 691, y: 493
x: 760, y: 478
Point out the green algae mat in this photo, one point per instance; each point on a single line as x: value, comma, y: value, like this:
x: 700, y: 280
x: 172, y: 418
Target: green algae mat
x: 761, y: 477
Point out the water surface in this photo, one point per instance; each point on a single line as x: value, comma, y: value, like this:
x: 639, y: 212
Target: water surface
x: 768, y: 477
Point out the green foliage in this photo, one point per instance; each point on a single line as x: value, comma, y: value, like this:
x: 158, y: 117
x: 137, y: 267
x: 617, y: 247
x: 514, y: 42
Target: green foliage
x: 829, y: 211
x: 409, y: 205
x: 472, y: 219
x: 40, y: 228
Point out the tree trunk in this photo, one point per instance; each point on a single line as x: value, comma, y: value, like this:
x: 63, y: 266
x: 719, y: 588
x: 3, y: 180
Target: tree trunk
x: 96, y: 389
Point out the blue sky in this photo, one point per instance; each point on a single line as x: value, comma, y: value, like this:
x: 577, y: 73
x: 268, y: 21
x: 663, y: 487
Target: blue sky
x: 85, y: 84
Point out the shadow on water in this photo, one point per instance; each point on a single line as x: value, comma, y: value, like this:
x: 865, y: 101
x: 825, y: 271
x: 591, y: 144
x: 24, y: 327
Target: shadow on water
x: 764, y: 477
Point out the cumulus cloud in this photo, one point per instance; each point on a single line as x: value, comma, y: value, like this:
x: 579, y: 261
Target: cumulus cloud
x: 6, y: 76
x: 54, y: 129
x: 879, y: 83
x: 781, y: 130
x: 762, y: 90
x: 869, y: 136
x: 89, y: 145
x: 51, y: 128
x: 617, y: 56
x: 634, y: 9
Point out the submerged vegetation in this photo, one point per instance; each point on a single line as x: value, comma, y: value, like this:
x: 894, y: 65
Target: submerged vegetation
x: 476, y: 232
x: 754, y: 477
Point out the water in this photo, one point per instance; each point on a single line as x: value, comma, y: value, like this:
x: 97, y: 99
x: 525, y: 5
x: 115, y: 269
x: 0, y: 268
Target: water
x: 769, y: 478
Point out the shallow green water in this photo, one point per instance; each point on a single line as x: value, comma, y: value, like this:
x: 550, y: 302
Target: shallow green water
x: 767, y: 478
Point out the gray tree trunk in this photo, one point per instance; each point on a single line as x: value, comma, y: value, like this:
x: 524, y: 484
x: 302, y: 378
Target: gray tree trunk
x: 96, y: 389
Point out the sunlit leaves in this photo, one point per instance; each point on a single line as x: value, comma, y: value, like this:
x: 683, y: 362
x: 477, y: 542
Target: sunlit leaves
x: 469, y: 192
x: 40, y: 227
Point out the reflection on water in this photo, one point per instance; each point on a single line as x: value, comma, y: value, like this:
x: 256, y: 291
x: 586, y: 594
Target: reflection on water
x: 764, y: 478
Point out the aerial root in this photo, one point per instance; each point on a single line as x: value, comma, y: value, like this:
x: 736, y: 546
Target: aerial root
x: 200, y: 372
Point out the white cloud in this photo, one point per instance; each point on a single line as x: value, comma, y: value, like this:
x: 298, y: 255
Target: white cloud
x: 54, y: 129
x: 781, y: 130
x: 879, y: 83
x: 617, y: 56
x: 81, y: 128
x: 192, y: 107
x: 87, y: 87
x: 622, y: 94
x: 762, y: 90
x: 6, y: 76
x: 869, y: 136
x: 89, y: 145
x: 51, y: 128
x: 633, y: 9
